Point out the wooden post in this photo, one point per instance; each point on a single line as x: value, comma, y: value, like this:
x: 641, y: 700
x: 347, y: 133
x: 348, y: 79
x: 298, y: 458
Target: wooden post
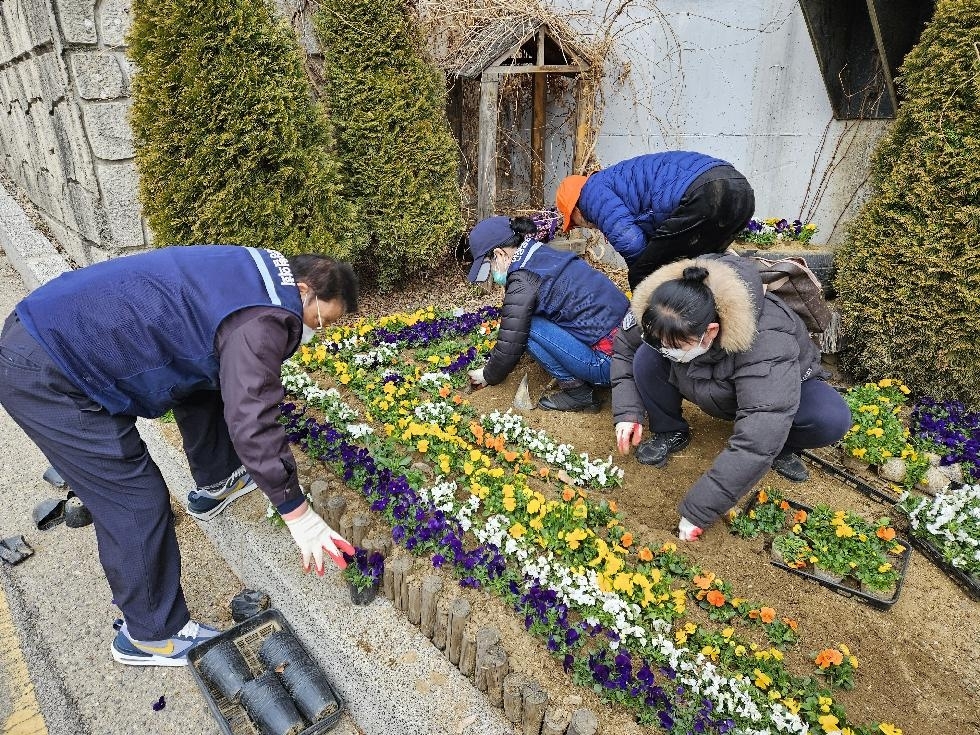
x: 495, y: 667
x: 388, y: 583
x: 361, y: 524
x: 414, y: 602
x: 346, y: 528
x: 535, y: 701
x: 458, y: 615
x: 431, y: 587
x: 400, y: 569
x: 442, y: 623
x: 486, y: 166
x: 584, y: 722
x: 538, y: 118
x: 319, y: 489
x: 486, y: 638
x: 467, y: 654
x: 514, y: 684
x: 336, y: 505
x: 556, y: 721
x: 583, y: 122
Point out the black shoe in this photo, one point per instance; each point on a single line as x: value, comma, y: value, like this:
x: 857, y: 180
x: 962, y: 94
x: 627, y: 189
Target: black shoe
x: 654, y: 451
x: 578, y: 398
x: 789, y: 465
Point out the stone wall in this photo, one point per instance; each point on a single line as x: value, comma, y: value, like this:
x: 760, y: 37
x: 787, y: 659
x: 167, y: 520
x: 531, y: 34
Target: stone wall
x: 64, y: 133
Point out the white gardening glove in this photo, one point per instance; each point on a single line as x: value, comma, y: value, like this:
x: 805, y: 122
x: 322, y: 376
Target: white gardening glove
x: 313, y: 537
x: 628, y: 432
x: 476, y: 378
x: 687, y: 531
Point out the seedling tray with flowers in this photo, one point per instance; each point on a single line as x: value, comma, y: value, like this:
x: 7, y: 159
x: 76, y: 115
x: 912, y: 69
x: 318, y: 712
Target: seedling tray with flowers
x: 837, y: 549
x: 946, y: 529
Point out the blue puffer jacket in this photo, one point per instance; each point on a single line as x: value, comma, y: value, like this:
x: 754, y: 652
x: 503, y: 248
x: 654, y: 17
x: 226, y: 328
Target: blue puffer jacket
x: 630, y: 200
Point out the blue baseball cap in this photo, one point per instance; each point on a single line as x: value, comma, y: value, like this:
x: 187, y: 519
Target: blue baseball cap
x: 491, y: 233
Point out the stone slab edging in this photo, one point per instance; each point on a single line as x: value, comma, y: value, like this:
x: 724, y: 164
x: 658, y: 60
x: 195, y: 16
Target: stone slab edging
x: 392, y: 679
x: 31, y: 253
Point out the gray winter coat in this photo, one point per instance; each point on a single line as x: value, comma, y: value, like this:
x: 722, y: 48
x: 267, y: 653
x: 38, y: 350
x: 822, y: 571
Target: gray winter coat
x: 751, y: 375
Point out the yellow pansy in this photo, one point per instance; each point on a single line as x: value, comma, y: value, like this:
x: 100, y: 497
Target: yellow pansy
x: 517, y: 530
x: 762, y: 680
x: 828, y: 723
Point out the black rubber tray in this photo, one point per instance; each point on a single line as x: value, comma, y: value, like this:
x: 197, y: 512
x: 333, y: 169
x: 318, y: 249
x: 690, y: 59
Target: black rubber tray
x: 969, y: 582
x: 248, y: 637
x: 827, y: 460
x: 842, y: 588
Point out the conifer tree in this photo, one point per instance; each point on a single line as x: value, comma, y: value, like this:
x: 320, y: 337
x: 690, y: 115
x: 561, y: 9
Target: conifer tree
x: 909, y: 270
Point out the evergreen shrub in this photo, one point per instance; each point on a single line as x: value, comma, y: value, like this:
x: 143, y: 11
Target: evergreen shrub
x: 398, y: 159
x: 231, y: 146
x: 908, y: 271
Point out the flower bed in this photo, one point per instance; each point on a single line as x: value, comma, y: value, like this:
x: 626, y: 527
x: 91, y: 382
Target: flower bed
x: 839, y: 549
x: 953, y: 430
x: 508, y: 509
x: 774, y: 230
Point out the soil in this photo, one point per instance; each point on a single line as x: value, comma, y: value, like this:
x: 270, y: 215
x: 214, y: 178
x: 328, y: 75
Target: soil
x: 918, y: 660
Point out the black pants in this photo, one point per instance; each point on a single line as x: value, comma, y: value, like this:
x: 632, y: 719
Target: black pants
x: 104, y: 460
x: 715, y: 208
x: 822, y: 418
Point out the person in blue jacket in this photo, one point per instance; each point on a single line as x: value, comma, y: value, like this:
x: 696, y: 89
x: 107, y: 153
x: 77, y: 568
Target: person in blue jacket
x: 203, y: 331
x: 556, y: 306
x: 660, y: 207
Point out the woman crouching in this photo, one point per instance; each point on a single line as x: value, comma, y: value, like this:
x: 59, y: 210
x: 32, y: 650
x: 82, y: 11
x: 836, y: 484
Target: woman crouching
x: 556, y: 306
x: 705, y: 330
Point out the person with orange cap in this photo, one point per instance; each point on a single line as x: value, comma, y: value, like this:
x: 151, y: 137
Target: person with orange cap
x: 660, y: 207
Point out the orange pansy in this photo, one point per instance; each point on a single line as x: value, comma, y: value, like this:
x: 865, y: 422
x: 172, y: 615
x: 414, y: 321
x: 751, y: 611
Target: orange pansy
x: 704, y: 580
x: 767, y: 614
x: 716, y: 598
x: 885, y: 533
x: 627, y: 540
x: 646, y: 554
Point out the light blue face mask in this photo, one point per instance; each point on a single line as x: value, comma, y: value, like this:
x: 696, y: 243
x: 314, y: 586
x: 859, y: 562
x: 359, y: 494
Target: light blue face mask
x: 499, y: 278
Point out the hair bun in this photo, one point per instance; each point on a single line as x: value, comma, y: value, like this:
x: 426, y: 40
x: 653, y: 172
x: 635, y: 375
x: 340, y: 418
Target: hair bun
x: 523, y: 226
x: 695, y: 273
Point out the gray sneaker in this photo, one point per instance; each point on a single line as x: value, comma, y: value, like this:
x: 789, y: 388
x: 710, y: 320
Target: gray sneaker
x: 168, y: 652
x: 205, y: 503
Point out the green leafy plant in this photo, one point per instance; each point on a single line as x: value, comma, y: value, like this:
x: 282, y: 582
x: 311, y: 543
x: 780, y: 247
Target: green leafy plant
x: 231, y: 146
x: 909, y: 291
x: 767, y: 516
x: 397, y: 156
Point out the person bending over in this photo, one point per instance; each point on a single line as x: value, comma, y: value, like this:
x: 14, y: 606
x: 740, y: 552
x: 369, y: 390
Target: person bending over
x: 704, y: 330
x: 556, y: 306
x: 201, y: 330
x: 660, y: 207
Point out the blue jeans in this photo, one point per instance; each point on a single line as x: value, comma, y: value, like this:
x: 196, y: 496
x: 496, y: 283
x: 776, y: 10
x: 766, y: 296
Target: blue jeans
x: 564, y: 356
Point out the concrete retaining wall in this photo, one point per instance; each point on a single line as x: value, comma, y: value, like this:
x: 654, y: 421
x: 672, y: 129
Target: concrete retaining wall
x: 64, y: 134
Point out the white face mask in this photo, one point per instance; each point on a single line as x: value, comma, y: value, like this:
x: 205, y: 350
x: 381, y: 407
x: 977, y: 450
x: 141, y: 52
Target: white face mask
x: 308, y: 332
x: 675, y: 354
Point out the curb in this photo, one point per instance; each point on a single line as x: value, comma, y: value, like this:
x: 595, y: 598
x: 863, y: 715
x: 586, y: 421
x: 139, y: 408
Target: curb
x: 31, y: 253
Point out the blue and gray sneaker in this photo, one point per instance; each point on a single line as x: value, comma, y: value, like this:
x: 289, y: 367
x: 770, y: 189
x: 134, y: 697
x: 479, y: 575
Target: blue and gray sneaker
x: 168, y: 652
x: 205, y: 503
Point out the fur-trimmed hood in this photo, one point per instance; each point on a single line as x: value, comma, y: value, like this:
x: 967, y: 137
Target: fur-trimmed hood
x: 737, y: 289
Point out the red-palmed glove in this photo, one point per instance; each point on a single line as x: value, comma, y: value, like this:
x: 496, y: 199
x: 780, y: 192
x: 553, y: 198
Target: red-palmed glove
x: 687, y: 531
x: 627, y: 433
x: 314, y: 536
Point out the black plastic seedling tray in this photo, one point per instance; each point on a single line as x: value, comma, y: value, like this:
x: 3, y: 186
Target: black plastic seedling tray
x: 248, y: 637
x: 876, y: 488
x: 843, y: 587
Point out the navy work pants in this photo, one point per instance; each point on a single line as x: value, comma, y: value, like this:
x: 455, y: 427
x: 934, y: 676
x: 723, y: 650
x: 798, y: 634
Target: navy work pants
x: 104, y: 460
x: 822, y: 418
x: 715, y: 208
